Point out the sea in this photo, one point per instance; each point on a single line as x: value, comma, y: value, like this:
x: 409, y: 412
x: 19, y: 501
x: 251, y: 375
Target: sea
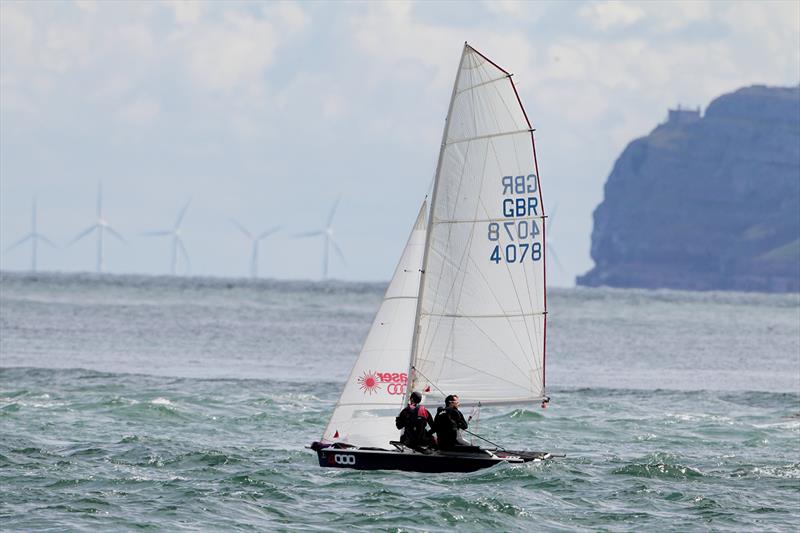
x: 187, y: 404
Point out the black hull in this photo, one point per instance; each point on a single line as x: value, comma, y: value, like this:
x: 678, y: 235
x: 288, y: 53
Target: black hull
x: 432, y: 462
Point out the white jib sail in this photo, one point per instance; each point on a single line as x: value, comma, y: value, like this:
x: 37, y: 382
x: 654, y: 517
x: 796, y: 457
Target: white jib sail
x: 481, y: 326
x: 374, y: 393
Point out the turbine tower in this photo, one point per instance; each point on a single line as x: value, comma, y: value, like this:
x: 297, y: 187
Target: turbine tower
x: 34, y: 236
x: 327, y: 240
x: 254, y: 241
x: 177, y: 241
x: 551, y: 251
x: 100, y: 225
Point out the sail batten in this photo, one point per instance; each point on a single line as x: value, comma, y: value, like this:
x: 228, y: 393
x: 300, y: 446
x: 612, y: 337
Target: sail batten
x: 502, y: 315
x: 495, y: 219
x: 488, y: 136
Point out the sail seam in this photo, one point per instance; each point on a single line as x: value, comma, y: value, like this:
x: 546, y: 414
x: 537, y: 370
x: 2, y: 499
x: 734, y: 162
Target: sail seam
x: 502, y: 351
x: 399, y: 298
x: 498, y: 219
x: 484, y: 403
x: 482, y: 371
x: 481, y: 84
x: 487, y: 136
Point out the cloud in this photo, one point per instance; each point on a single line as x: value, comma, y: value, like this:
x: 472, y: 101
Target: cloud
x: 612, y: 14
x: 527, y: 11
x: 17, y: 35
x: 775, y: 26
x: 615, y: 15
x: 226, y: 55
x: 139, y: 112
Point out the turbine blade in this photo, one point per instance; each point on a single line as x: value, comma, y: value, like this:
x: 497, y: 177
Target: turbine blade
x: 241, y: 228
x: 551, y: 251
x: 551, y: 218
x: 83, y: 234
x: 99, y: 199
x: 21, y: 241
x: 181, y: 214
x: 158, y: 233
x: 46, y: 240
x: 113, y: 232
x: 308, y: 234
x: 185, y: 254
x: 338, y: 250
x: 269, y: 232
x: 333, y: 211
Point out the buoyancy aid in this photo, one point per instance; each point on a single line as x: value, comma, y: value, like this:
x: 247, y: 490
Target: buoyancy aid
x: 414, y: 432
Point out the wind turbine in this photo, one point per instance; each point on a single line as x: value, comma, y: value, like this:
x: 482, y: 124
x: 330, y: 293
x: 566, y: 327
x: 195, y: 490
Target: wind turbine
x: 177, y: 241
x: 100, y: 225
x: 34, y: 236
x: 327, y: 240
x: 254, y: 241
x: 551, y: 251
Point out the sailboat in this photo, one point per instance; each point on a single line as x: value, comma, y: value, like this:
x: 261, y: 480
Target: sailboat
x: 465, y: 311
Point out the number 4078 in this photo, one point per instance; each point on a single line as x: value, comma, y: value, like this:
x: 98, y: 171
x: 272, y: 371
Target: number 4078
x: 517, y: 253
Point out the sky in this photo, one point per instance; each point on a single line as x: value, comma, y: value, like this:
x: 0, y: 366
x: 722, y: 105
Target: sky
x: 267, y: 112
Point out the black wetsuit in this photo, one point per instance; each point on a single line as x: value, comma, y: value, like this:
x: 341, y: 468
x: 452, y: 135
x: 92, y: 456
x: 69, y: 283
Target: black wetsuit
x: 448, y: 421
x: 413, y: 421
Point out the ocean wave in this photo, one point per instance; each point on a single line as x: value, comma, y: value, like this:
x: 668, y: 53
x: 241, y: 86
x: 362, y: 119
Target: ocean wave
x: 661, y: 466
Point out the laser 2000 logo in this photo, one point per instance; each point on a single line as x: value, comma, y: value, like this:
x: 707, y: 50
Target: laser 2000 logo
x: 372, y: 382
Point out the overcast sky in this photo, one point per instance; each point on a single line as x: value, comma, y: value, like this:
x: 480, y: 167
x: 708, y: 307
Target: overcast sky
x: 266, y: 112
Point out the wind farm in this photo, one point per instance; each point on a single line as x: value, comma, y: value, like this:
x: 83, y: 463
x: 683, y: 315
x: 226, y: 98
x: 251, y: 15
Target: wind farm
x: 179, y: 259
x: 323, y: 238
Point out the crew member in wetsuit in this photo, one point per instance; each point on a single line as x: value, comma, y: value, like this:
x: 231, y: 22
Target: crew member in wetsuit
x: 414, y: 420
x: 448, y: 421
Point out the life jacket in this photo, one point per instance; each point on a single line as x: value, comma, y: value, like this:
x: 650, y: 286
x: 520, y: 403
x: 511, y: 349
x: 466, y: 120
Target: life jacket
x: 414, y: 432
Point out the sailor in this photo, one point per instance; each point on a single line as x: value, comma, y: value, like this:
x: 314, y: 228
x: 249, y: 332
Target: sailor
x: 449, y: 421
x: 414, y: 420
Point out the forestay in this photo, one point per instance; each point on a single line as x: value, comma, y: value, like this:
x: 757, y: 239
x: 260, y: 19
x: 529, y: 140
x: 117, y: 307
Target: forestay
x: 481, y: 323
x: 375, y: 391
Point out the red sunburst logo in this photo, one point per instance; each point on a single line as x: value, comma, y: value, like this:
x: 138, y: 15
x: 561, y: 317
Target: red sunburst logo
x: 368, y: 382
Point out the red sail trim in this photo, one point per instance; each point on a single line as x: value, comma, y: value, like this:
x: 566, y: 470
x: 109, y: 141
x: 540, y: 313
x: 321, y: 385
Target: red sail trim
x: 507, y: 73
x: 544, y: 257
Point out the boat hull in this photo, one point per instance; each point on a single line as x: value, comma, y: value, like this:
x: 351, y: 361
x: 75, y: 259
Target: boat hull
x: 432, y: 462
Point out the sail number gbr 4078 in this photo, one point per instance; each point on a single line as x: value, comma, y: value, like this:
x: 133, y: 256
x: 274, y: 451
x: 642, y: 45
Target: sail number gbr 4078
x: 517, y: 239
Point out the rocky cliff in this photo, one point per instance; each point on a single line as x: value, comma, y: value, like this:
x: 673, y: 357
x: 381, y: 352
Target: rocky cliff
x: 707, y: 203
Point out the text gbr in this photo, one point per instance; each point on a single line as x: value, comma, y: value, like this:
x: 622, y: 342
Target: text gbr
x: 520, y: 235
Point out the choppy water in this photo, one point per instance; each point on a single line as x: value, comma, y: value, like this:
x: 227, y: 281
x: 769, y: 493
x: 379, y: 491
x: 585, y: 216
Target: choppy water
x: 162, y: 403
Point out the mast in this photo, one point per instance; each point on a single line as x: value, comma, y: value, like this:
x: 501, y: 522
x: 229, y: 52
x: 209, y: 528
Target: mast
x: 423, y: 277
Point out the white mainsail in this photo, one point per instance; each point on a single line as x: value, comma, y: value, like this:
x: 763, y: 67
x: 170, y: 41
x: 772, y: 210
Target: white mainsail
x: 473, y: 323
x: 480, y: 329
x: 375, y: 391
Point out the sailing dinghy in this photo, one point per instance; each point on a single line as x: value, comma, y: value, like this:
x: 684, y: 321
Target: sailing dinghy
x: 465, y: 312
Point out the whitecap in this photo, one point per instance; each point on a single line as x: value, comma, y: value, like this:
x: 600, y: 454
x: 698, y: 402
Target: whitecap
x: 160, y: 401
